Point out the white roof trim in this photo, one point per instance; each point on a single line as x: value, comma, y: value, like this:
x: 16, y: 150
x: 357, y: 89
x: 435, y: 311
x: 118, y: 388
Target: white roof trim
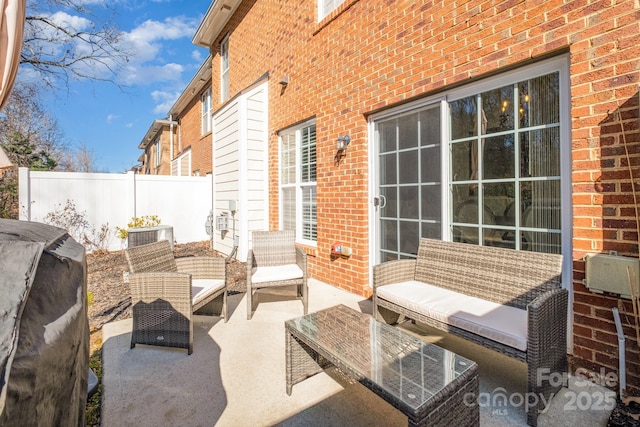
x: 214, y: 21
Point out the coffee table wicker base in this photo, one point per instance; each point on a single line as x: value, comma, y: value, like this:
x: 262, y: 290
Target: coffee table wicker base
x: 454, y: 405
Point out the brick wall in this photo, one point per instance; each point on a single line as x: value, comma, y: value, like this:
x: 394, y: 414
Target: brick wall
x: 164, y: 168
x: 165, y: 160
x: 369, y: 55
x: 190, y: 132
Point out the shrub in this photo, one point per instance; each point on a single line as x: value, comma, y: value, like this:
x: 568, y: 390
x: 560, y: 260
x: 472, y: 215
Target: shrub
x: 9, y: 194
x: 136, y: 222
x: 78, y: 226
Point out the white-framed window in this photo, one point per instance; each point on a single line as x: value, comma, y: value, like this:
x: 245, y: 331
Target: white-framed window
x: 487, y: 163
x: 224, y: 69
x: 158, y: 153
x: 298, y: 208
x: 505, y: 177
x: 325, y: 7
x: 205, y: 102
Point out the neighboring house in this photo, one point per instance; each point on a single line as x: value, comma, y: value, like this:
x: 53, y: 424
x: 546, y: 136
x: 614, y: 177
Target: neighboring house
x: 157, y: 145
x: 192, y: 111
x: 495, y: 123
x: 184, y: 137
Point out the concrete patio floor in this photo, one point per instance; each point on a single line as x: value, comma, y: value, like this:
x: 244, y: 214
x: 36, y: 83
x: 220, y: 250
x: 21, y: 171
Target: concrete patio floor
x: 236, y: 376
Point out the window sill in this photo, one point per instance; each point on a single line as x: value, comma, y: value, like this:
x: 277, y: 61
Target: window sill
x: 333, y: 15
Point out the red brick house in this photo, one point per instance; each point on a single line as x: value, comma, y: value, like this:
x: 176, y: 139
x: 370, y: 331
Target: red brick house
x: 156, y: 144
x: 180, y: 145
x: 507, y: 123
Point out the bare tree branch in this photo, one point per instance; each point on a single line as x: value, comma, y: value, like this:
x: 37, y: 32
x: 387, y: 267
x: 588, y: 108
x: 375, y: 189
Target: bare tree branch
x: 62, y: 42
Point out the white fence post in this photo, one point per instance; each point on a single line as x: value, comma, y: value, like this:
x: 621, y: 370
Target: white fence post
x: 130, y: 202
x: 24, y: 194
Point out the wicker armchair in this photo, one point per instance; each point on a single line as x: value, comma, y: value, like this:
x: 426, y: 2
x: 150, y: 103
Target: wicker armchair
x: 275, y: 261
x: 165, y: 291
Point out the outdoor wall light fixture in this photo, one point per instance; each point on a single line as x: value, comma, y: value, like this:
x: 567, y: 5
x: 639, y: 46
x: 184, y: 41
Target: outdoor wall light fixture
x: 284, y: 82
x: 342, y: 142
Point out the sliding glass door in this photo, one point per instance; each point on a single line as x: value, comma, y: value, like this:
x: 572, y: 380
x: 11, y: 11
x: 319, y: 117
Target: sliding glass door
x: 482, y: 164
x: 408, y: 202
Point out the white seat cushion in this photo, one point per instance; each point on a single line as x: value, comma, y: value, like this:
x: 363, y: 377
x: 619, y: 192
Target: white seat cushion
x: 201, y: 288
x: 501, y: 323
x: 277, y: 273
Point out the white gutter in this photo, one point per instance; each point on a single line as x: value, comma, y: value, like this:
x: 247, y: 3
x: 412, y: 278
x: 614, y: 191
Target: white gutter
x: 171, y: 123
x: 219, y: 13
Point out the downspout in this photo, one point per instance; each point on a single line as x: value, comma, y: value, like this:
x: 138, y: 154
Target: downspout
x: 171, y: 137
x: 621, y: 353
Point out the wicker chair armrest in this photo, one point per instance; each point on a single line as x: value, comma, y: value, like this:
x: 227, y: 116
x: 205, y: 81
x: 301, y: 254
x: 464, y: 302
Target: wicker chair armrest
x: 547, y: 329
x: 251, y: 265
x: 155, y: 285
x: 202, y: 267
x: 301, y: 260
x: 550, y: 305
x: 393, y: 272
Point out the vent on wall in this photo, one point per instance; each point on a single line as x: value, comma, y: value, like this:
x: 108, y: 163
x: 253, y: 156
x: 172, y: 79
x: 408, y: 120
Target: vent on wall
x: 612, y: 273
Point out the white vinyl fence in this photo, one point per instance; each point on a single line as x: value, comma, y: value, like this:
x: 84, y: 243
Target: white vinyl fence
x: 182, y: 202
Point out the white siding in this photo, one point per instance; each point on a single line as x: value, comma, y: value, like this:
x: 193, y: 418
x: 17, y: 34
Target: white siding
x: 257, y: 167
x: 240, y: 168
x: 225, y: 172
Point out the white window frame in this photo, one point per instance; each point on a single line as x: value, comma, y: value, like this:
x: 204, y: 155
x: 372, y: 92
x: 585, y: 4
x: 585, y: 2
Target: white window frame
x: 325, y: 7
x: 158, y: 156
x: 558, y: 64
x: 224, y: 69
x: 299, y: 185
x: 205, y: 102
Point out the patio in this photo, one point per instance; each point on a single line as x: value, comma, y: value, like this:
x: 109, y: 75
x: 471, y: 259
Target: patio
x: 236, y: 376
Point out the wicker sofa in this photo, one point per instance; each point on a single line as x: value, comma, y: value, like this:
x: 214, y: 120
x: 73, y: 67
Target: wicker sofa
x: 509, y: 301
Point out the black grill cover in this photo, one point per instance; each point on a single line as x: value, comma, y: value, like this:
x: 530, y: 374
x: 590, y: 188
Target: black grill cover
x: 44, y: 328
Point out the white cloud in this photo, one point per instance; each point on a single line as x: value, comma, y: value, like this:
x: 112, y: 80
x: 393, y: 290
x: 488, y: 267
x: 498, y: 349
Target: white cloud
x: 48, y: 40
x: 145, y: 39
x: 65, y: 20
x: 149, y: 42
x: 164, y: 100
x: 196, y: 55
x: 112, y: 117
x: 55, y: 43
x: 146, y: 74
x: 154, y: 47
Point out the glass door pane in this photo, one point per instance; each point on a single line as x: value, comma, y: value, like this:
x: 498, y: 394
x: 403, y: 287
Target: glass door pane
x: 408, y: 176
x: 505, y: 166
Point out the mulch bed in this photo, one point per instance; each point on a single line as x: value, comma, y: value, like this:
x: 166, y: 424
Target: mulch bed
x: 110, y: 298
x: 625, y: 415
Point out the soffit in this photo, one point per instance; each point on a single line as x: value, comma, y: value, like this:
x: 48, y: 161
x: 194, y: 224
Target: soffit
x: 153, y: 131
x: 214, y: 21
x: 201, y: 80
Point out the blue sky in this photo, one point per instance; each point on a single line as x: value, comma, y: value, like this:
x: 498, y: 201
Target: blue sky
x: 112, y: 121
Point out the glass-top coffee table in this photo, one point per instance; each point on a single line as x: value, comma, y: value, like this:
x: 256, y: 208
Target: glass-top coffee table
x: 429, y: 384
